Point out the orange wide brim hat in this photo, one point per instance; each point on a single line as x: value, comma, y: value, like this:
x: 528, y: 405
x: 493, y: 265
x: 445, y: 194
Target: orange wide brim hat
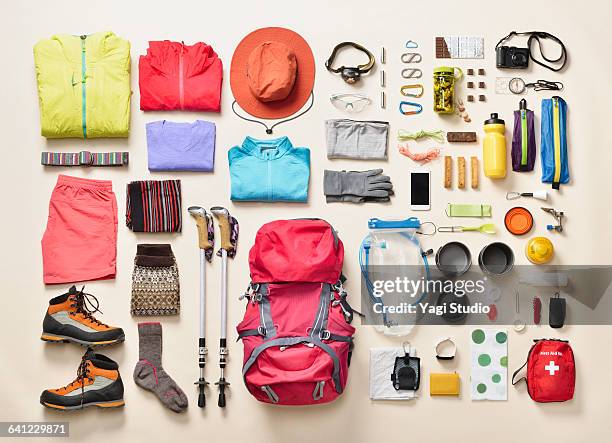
x: 304, y: 73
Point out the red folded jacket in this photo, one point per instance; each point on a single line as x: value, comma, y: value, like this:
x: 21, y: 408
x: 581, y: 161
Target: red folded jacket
x: 177, y: 76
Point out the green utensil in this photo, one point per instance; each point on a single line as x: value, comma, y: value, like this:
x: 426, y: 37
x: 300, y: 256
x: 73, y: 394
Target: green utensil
x: 487, y: 228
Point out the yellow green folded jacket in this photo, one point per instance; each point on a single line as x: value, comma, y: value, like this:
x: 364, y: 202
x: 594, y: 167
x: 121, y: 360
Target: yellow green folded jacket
x: 83, y: 85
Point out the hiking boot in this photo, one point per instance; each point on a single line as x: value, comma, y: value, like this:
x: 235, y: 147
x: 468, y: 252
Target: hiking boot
x: 70, y: 318
x: 98, y: 383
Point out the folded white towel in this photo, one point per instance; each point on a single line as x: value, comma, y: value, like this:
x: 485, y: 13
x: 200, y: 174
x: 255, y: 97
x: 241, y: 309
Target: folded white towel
x: 382, y: 361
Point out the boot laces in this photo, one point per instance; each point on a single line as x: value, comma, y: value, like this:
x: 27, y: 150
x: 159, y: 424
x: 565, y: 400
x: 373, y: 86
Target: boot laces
x: 82, y: 374
x: 87, y: 305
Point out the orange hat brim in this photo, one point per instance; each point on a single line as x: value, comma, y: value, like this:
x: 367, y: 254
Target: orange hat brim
x: 304, y: 81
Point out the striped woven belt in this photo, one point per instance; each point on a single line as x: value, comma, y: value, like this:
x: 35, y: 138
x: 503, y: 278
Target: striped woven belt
x: 84, y: 158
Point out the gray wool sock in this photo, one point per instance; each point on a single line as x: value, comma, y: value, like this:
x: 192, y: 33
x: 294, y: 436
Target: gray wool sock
x: 149, y: 373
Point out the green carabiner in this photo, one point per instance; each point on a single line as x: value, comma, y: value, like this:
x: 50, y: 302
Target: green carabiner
x: 416, y: 108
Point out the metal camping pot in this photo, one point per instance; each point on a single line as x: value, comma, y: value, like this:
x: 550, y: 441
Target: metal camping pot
x: 453, y: 259
x: 496, y: 259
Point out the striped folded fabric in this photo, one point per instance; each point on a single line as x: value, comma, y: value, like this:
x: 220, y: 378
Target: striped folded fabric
x: 154, y: 206
x: 84, y: 158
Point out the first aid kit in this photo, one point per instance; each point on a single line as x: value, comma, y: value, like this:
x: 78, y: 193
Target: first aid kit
x: 551, y: 371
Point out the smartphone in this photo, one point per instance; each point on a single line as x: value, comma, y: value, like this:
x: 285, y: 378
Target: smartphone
x: 420, y: 194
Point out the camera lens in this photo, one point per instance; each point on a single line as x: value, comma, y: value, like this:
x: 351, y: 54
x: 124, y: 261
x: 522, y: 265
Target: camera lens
x: 519, y: 59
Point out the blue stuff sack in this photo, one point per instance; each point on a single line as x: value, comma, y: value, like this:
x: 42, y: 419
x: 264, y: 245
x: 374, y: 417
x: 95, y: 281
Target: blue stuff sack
x: 555, y: 167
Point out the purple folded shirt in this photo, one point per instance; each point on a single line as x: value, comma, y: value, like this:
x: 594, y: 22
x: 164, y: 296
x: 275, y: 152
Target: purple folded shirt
x: 181, y: 146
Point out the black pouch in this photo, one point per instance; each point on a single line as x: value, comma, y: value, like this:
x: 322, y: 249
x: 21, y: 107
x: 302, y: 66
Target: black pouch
x: 556, y: 312
x: 406, y: 374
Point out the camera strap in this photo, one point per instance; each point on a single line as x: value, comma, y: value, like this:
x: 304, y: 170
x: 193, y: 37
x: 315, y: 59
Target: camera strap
x: 537, y: 36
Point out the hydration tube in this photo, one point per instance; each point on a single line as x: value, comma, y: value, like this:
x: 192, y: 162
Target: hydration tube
x: 364, y: 254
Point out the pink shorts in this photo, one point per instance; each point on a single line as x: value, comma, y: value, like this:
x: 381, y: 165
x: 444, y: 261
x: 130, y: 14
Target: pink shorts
x: 80, y: 242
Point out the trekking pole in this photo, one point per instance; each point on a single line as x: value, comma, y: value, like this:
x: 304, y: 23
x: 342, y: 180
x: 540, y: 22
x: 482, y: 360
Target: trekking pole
x: 206, y: 241
x: 228, y: 227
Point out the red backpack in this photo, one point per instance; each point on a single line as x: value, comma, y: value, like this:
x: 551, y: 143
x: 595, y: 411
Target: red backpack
x: 296, y: 329
x: 551, y: 371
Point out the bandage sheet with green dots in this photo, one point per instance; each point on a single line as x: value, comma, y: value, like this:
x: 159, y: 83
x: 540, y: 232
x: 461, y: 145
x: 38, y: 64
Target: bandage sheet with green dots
x: 489, y: 378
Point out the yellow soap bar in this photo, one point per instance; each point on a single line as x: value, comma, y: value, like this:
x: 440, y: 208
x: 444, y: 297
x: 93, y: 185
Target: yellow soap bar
x: 444, y: 384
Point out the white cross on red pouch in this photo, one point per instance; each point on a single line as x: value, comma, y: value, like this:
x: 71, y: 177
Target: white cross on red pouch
x: 551, y: 367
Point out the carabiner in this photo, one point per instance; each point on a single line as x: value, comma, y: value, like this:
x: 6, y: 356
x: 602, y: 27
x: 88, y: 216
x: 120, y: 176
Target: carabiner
x: 417, y: 108
x: 406, y: 352
x: 412, y: 73
x: 511, y: 195
x: 412, y: 86
x: 411, y: 57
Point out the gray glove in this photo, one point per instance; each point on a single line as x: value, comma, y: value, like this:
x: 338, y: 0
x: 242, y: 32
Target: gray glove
x: 356, y: 199
x: 356, y: 186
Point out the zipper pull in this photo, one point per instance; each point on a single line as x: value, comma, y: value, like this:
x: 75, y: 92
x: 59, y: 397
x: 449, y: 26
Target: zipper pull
x: 318, y: 390
x: 270, y: 393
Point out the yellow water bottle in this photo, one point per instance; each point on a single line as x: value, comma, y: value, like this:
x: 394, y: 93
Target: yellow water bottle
x: 494, y: 147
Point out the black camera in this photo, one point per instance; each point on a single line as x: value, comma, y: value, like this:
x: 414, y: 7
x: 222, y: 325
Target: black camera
x: 512, y: 57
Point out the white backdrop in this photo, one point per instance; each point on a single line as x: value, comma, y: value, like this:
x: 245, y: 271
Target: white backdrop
x: 29, y: 365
